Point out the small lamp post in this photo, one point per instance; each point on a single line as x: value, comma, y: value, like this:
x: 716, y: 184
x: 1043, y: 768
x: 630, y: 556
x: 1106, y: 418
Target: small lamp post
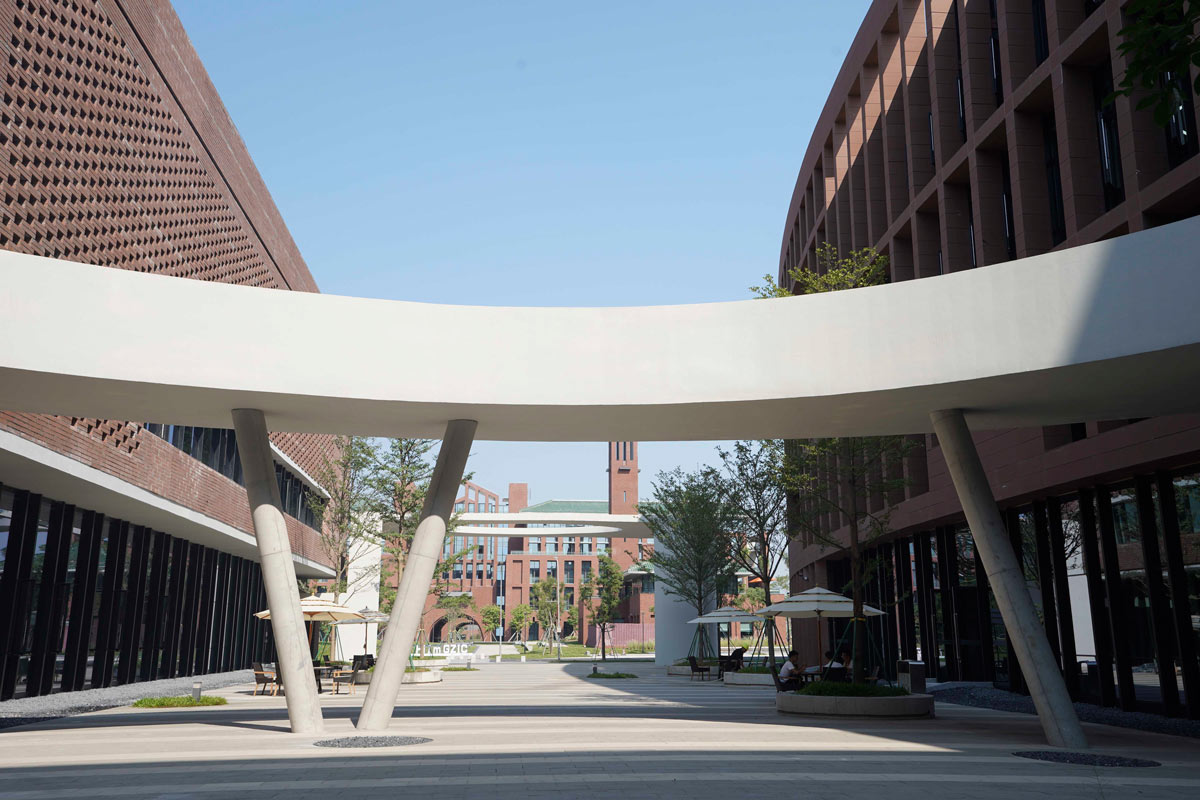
x: 196, y: 691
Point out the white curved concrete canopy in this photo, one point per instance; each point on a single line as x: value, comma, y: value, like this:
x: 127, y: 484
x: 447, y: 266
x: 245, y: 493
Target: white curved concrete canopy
x: 1107, y: 330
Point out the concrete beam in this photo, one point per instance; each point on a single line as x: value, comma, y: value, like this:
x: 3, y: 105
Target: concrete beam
x: 415, y: 583
x: 279, y: 574
x: 1028, y: 637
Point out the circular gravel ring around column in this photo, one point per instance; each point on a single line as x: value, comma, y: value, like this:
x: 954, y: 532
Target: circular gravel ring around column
x: 372, y: 741
x: 1086, y: 759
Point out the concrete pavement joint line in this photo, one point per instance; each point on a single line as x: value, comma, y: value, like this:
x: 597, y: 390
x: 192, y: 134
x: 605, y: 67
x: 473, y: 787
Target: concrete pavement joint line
x: 606, y: 778
x: 402, y: 760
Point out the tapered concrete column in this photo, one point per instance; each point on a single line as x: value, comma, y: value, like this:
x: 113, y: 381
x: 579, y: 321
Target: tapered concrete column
x: 423, y: 556
x: 278, y: 571
x: 1028, y: 637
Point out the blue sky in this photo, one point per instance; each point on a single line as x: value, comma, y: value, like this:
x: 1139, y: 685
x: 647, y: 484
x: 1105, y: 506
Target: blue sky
x: 530, y: 154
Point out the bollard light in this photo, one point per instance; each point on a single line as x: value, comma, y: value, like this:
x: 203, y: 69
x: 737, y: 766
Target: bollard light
x: 196, y: 691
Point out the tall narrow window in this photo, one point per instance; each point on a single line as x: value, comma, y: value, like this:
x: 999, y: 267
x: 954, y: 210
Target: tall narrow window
x: 932, y: 154
x: 1006, y: 204
x: 1041, y: 38
x: 1109, y: 140
x: 971, y: 229
x: 1058, y: 225
x: 1181, y: 127
x: 962, y: 105
x: 994, y: 46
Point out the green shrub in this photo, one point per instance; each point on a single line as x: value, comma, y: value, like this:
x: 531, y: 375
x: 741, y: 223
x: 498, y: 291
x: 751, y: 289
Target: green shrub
x: 180, y: 702
x: 840, y: 689
x: 459, y: 669
x: 417, y: 669
x: 640, y: 647
x: 610, y: 675
x: 755, y: 669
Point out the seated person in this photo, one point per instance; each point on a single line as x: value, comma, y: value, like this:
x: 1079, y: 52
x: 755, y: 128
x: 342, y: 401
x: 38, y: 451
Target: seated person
x: 830, y: 660
x: 846, y: 660
x: 789, y: 671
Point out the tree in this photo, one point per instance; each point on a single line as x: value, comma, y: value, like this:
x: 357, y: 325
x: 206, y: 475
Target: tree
x: 493, y: 618
x: 345, y: 517
x: 399, y: 482
x: 849, y: 479
x: 753, y: 482
x: 520, y: 618
x: 455, y: 607
x: 546, y: 598
x: 1161, y: 43
x: 852, y: 480
x: 690, y: 520
x: 572, y: 619
x: 601, y: 595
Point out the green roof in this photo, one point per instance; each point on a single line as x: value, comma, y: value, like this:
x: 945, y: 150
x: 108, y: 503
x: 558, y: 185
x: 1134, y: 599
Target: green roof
x: 569, y: 507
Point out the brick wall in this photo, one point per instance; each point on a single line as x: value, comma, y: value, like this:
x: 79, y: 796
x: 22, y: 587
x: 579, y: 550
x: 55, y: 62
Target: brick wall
x: 118, y: 152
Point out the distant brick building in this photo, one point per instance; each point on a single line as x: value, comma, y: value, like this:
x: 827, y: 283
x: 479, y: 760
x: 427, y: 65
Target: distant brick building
x: 500, y: 570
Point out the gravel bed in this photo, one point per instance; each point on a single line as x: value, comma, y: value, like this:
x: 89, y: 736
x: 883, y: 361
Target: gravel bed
x: 1000, y: 700
x: 372, y: 741
x: 1085, y: 759
x: 25, y: 710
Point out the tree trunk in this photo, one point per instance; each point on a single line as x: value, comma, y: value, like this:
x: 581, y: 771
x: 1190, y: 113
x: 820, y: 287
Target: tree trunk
x: 603, y: 652
x: 859, y: 632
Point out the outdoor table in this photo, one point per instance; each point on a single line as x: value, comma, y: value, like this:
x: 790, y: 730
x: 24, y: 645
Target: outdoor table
x: 320, y: 672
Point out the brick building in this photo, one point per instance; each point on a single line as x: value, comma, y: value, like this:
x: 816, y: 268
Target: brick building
x: 126, y: 547
x: 960, y: 135
x: 500, y: 568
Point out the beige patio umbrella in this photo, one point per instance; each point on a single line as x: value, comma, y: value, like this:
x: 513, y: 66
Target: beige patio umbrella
x: 315, y: 608
x: 729, y: 614
x: 818, y: 603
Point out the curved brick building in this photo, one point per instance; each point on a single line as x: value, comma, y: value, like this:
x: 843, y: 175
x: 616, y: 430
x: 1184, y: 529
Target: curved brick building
x: 961, y: 134
x: 126, y: 547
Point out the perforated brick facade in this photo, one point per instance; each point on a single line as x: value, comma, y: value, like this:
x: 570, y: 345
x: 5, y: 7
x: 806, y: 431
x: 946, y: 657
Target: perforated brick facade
x: 117, y: 151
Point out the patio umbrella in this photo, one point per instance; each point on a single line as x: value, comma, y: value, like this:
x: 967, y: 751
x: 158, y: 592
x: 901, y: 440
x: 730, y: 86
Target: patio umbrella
x: 817, y: 603
x: 368, y: 615
x: 728, y: 614
x: 316, y: 608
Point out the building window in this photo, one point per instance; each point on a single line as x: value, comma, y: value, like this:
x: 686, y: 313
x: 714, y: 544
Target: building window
x: 535, y: 571
x: 586, y: 547
x: 1109, y: 141
x: 1010, y: 237
x: 1058, y: 225
x: 569, y: 572
x: 1181, y: 127
x: 1041, y: 38
x: 459, y: 508
x: 585, y: 569
x: 552, y: 570
x: 994, y: 46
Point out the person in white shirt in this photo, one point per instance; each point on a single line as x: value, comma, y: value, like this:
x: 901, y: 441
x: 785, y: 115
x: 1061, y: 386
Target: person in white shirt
x: 789, y: 672
x: 831, y: 661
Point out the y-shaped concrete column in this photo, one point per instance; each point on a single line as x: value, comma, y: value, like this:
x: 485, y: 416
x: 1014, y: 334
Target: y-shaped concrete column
x: 278, y: 571
x: 1028, y: 637
x: 423, y: 557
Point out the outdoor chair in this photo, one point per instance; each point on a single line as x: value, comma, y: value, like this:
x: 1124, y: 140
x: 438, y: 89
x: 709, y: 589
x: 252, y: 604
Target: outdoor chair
x: 264, y: 678
x: 344, y: 677
x: 837, y: 674
x: 873, y: 676
x: 733, y: 661
x: 703, y: 672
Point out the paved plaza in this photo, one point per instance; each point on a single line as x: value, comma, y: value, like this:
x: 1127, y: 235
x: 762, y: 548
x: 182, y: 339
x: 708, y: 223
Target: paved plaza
x: 543, y: 730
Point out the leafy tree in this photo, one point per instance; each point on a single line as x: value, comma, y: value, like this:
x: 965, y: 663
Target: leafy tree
x: 520, y: 617
x: 493, y: 618
x: 601, y: 595
x: 1161, y: 43
x: 546, y: 597
x: 753, y: 481
x: 399, y: 482
x: 751, y: 599
x: 861, y: 268
x: 690, y: 520
x: 455, y: 608
x: 345, y: 518
x: 850, y: 479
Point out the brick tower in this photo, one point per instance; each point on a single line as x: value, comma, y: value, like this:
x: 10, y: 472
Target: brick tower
x: 622, y: 477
